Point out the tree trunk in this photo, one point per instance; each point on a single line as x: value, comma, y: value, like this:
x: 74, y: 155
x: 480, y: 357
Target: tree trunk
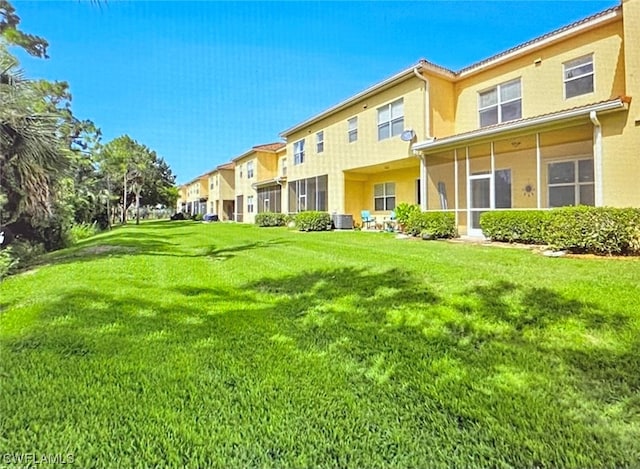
x: 137, y: 208
x: 124, y: 201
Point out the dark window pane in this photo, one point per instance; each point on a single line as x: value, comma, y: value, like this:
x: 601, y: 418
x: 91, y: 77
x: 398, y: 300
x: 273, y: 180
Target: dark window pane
x: 383, y: 131
x: 391, y: 203
x: 511, y: 111
x: 397, y: 127
x: 562, y: 196
x: 379, y: 203
x: 585, y: 171
x: 587, y: 195
x: 503, y: 188
x: 489, y: 117
x: 562, y: 173
x: 579, y: 86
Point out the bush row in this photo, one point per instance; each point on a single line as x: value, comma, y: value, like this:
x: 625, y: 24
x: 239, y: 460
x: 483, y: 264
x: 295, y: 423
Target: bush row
x: 271, y: 219
x: 431, y: 224
x: 596, y: 230
x: 313, y: 221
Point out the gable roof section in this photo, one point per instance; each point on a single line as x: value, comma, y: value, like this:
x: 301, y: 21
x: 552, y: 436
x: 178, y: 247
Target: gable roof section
x: 547, y: 39
x: 560, y: 34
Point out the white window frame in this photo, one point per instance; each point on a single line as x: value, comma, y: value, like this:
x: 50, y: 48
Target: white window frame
x: 576, y: 183
x: 385, y: 196
x: 566, y: 80
x: 391, y: 120
x: 298, y: 152
x: 352, y: 129
x: 499, y: 103
x: 249, y: 204
x: 249, y: 169
x: 320, y: 141
x: 284, y: 166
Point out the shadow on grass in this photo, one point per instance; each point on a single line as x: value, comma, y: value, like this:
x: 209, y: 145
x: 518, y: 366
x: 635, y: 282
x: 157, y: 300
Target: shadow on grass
x: 468, y: 366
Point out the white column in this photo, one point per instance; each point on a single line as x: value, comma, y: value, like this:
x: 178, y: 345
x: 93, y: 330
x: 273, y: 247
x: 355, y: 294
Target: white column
x: 492, y: 186
x: 455, y: 183
x: 423, y: 182
x: 597, y: 160
x: 538, y: 172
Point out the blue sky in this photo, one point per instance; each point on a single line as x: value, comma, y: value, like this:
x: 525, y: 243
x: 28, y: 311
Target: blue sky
x: 202, y: 82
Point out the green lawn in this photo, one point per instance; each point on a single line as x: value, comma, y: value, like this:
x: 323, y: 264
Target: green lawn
x: 184, y: 344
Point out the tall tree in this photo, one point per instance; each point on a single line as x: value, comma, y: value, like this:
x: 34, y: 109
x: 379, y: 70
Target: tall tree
x: 10, y: 33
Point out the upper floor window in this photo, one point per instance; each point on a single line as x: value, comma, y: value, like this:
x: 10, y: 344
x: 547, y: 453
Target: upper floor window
x: 390, y: 119
x: 284, y: 166
x: 502, y: 103
x: 240, y: 168
x: 298, y: 152
x: 352, y: 129
x: 249, y: 169
x: 384, y: 196
x: 320, y: 142
x: 578, y: 76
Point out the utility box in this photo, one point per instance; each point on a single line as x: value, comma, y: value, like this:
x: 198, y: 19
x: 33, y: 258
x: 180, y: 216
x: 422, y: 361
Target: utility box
x: 342, y: 222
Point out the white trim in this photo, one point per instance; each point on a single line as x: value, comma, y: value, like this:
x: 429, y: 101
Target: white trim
x: 538, y: 172
x: 521, y: 124
x: 541, y: 43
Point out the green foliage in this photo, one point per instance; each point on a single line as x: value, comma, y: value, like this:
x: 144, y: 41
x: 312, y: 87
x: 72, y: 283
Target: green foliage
x: 436, y: 224
x: 313, y: 221
x: 403, y: 212
x: 597, y: 230
x: 197, y: 217
x: 515, y: 226
x: 82, y: 231
x: 265, y: 219
x: 7, y: 261
x: 9, y: 32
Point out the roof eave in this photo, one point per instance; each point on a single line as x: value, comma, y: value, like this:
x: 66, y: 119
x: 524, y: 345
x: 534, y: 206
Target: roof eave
x: 606, y: 17
x: 381, y: 86
x: 612, y: 105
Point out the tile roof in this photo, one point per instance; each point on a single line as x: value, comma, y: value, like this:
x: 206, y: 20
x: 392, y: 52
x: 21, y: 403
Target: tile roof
x: 270, y: 146
x: 533, y: 41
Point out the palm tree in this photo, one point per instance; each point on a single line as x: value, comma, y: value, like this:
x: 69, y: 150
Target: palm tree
x: 31, y: 150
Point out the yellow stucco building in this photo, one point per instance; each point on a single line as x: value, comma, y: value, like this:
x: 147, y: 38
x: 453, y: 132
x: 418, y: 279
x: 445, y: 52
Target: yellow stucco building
x: 545, y: 124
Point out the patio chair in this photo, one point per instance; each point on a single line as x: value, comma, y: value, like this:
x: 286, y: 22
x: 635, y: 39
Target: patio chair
x: 367, y: 219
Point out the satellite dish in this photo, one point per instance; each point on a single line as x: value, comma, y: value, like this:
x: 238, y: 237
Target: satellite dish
x: 407, y: 135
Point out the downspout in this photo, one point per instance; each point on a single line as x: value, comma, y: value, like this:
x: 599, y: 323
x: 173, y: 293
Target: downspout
x: 597, y: 157
x: 427, y: 136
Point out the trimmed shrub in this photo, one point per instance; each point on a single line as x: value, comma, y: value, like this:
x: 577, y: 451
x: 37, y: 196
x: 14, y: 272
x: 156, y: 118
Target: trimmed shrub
x: 435, y: 224
x: 582, y: 229
x: 197, y: 217
x: 403, y: 212
x: 596, y: 230
x: 313, y: 221
x: 515, y: 226
x: 271, y: 219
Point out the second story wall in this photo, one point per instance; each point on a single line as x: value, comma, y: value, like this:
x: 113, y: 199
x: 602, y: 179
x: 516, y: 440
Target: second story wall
x: 349, y: 137
x: 542, y: 74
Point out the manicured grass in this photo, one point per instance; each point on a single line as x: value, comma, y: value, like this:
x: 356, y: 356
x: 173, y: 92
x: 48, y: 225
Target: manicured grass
x: 213, y: 345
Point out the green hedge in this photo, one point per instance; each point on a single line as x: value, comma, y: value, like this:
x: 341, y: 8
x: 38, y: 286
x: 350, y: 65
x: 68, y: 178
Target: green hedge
x: 435, y: 224
x: 403, y: 212
x: 515, y: 226
x: 271, y: 219
x: 596, y: 230
x: 313, y: 221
